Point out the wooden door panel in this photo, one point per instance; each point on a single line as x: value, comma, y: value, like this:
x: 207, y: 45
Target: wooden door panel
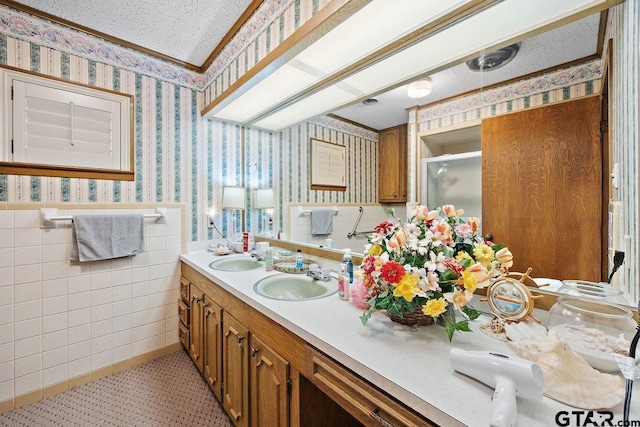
x: 213, y: 346
x: 269, y: 375
x: 541, y: 188
x: 235, y: 371
x: 195, y: 325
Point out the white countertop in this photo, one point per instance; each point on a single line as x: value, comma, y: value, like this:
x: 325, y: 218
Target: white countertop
x: 411, y: 365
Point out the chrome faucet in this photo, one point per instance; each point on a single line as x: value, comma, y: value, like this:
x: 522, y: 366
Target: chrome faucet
x: 316, y: 273
x: 257, y: 255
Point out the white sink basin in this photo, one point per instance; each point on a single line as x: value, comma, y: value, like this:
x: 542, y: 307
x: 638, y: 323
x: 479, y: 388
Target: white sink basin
x: 236, y: 264
x: 294, y: 287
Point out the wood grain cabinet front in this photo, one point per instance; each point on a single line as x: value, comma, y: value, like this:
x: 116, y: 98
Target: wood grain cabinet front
x: 392, y: 165
x: 235, y: 374
x: 270, y: 386
x: 212, y: 345
x: 196, y: 339
x: 365, y: 402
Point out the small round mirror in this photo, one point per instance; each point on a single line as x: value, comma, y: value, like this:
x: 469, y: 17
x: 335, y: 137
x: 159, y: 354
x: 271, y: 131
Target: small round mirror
x: 510, y: 300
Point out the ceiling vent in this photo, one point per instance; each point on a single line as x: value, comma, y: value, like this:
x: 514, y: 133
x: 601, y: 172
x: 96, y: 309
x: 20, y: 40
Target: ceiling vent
x: 493, y: 60
x: 370, y: 101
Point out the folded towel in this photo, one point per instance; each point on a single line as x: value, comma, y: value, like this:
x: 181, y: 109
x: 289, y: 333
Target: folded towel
x: 99, y: 237
x: 321, y: 221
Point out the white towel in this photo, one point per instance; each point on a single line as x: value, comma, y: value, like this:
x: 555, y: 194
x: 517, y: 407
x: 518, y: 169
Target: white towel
x: 321, y: 221
x: 100, y: 237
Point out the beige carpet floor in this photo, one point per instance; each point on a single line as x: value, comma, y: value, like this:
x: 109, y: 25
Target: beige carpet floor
x: 168, y: 391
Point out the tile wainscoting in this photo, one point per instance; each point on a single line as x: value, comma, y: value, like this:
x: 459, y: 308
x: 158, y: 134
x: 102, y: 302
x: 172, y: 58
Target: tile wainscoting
x: 64, y: 323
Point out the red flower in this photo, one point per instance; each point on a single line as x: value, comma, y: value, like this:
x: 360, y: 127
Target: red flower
x: 392, y: 272
x: 384, y: 227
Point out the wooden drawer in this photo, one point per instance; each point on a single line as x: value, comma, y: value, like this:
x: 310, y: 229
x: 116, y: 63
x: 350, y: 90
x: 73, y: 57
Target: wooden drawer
x: 364, y: 401
x: 183, y: 335
x: 184, y: 290
x: 183, y: 312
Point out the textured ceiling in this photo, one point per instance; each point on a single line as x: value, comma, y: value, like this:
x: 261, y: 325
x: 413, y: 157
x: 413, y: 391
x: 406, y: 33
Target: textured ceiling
x: 570, y: 42
x: 187, y: 30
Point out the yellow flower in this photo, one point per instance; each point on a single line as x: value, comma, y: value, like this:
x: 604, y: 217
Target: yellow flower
x: 470, y: 281
x: 375, y: 250
x: 483, y: 253
x: 408, y: 287
x: 435, y: 307
x: 463, y: 255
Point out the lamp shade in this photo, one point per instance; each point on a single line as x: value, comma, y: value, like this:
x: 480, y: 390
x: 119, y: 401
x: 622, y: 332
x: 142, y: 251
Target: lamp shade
x: 420, y: 88
x: 233, y: 198
x: 264, y: 198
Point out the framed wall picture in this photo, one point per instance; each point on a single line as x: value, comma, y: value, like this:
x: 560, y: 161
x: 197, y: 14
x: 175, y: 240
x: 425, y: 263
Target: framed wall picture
x: 328, y: 166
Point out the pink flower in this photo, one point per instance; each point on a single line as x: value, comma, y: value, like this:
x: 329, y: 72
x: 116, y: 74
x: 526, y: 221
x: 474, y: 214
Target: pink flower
x: 398, y: 239
x: 464, y: 230
x: 424, y: 214
x: 474, y: 223
x: 358, y: 295
x: 505, y: 257
x: 451, y: 211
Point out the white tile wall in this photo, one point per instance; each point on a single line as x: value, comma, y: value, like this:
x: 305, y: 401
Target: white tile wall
x: 60, y: 320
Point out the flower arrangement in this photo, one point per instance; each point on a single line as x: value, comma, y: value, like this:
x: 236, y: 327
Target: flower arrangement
x: 432, y: 263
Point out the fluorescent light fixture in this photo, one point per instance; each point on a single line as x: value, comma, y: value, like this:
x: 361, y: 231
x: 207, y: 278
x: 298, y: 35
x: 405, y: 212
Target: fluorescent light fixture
x: 452, y: 45
x: 419, y: 88
x: 233, y: 198
x: 264, y: 198
x: 368, y: 29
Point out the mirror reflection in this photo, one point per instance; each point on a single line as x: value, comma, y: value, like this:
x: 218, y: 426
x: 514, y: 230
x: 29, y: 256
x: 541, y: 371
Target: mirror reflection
x: 447, y: 122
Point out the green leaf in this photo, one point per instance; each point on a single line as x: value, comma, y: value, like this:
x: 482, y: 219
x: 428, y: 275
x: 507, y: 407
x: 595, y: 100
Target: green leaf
x: 450, y: 330
x: 471, y: 312
x: 462, y: 326
x: 365, y: 317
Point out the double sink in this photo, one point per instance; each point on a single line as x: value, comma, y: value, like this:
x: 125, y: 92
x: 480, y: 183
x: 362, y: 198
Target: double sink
x: 281, y: 286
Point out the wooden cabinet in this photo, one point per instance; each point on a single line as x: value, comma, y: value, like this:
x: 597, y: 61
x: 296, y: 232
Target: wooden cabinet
x: 269, y: 376
x: 235, y: 374
x: 270, y: 385
x: 542, y: 188
x: 196, y: 340
x: 212, y: 345
x: 392, y: 165
x: 365, y: 402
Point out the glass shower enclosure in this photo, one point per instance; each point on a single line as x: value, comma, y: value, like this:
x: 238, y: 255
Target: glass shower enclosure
x: 453, y: 179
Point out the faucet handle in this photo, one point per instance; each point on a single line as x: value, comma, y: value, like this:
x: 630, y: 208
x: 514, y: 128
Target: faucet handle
x: 313, y: 268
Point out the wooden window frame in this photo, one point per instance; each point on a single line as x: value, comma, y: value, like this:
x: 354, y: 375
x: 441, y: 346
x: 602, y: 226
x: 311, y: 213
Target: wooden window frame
x: 126, y: 173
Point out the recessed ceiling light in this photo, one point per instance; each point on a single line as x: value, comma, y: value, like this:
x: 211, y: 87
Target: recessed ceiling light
x: 370, y: 101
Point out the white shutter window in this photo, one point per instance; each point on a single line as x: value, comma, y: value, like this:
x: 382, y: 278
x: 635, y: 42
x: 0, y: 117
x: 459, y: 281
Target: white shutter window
x: 64, y: 128
x: 53, y: 122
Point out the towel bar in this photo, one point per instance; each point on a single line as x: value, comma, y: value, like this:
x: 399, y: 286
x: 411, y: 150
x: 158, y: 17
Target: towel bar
x: 48, y: 217
x: 303, y: 211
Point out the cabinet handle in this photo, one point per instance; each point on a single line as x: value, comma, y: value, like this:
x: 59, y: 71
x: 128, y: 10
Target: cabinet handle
x: 379, y: 419
x: 254, y: 352
x: 240, y: 339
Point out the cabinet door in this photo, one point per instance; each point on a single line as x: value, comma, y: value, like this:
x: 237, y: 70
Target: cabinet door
x: 213, y: 345
x: 392, y: 165
x: 195, y: 324
x: 235, y: 376
x: 269, y: 386
x: 542, y: 186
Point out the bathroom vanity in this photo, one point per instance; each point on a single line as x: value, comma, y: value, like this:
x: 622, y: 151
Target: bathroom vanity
x: 317, y: 363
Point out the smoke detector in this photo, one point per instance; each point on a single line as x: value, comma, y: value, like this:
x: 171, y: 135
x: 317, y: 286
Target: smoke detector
x: 494, y: 60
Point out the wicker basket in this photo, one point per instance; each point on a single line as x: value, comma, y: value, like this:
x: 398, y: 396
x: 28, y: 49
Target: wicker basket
x: 414, y: 318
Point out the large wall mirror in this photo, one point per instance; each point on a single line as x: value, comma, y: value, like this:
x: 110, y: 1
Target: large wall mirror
x: 539, y: 54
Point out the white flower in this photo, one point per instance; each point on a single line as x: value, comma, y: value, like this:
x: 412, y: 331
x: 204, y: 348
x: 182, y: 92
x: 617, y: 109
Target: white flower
x: 435, y: 262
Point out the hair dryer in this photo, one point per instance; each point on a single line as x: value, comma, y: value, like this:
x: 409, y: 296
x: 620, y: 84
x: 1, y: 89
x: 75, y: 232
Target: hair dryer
x: 509, y: 376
